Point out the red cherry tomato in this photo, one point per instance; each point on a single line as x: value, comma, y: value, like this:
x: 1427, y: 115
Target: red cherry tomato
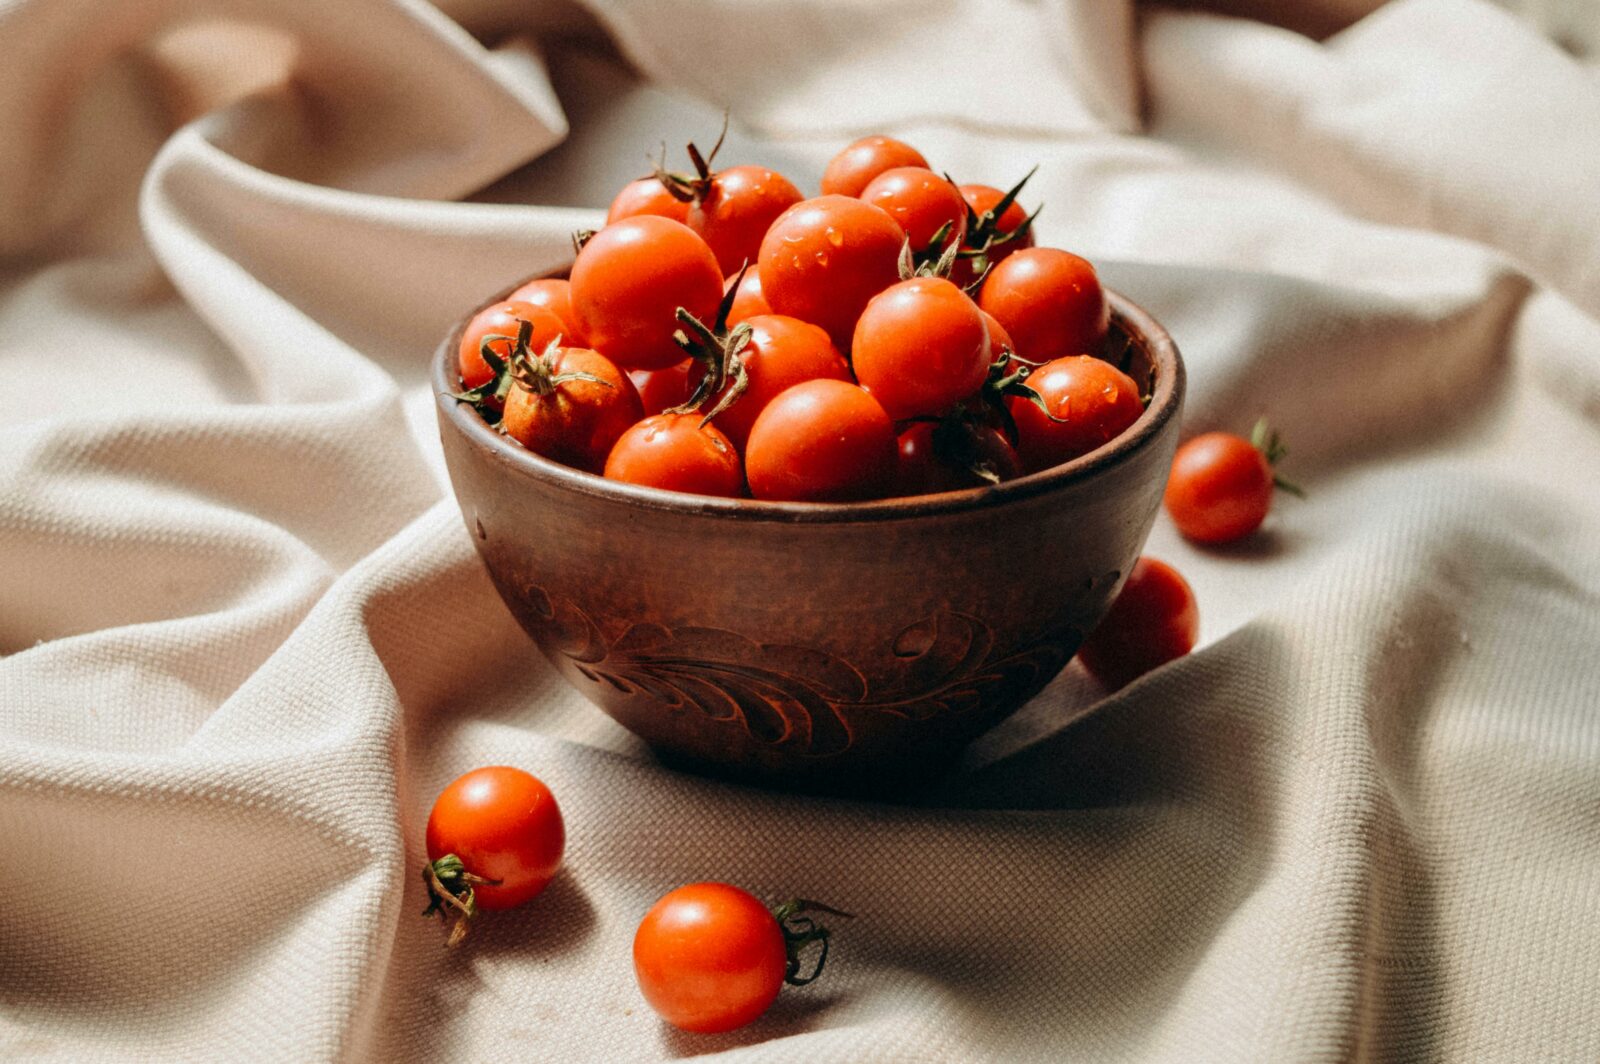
x: 748, y: 301
x: 663, y: 389
x: 739, y: 206
x: 854, y: 168
x: 673, y: 452
x: 825, y: 257
x: 821, y: 441
x: 1050, y: 301
x: 503, y: 824
x: 1096, y: 400
x: 921, y: 202
x: 646, y: 196
x: 782, y: 352
x: 926, y: 468
x: 629, y: 281
x: 555, y: 295
x: 1153, y: 621
x: 983, y: 198
x: 572, y: 421
x: 921, y: 347
x: 999, y: 339
x: 501, y: 319
x: 709, y: 957
x: 1220, y: 488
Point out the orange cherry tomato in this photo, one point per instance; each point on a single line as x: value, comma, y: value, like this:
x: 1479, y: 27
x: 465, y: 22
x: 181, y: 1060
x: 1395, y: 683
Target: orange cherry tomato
x: 854, y: 168
x: 504, y: 825
x: 629, y: 281
x: 675, y: 453
x: 1050, y: 302
x: 738, y: 207
x: 646, y: 196
x: 921, y: 202
x: 1220, y: 488
x: 1095, y: 399
x: 748, y: 301
x: 1154, y: 620
x: 821, y: 441
x: 663, y: 389
x: 501, y: 319
x: 572, y: 421
x: 782, y: 352
x: 927, y: 468
x: 709, y: 957
x: 555, y: 295
x: 824, y: 258
x: 921, y: 347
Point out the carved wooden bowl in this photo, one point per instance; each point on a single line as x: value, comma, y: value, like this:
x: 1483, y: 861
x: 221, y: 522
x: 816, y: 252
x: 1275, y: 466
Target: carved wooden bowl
x: 840, y: 646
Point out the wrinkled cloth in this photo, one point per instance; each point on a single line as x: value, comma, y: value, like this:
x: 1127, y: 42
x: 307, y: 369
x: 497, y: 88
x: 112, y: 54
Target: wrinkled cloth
x: 246, y: 639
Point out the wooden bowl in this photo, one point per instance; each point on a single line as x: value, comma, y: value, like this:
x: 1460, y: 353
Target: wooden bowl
x: 834, y: 646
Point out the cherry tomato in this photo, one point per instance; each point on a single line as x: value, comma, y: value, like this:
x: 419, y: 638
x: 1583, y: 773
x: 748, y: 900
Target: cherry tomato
x: 646, y: 196
x: 738, y: 207
x: 983, y: 198
x: 673, y: 452
x: 629, y: 281
x: 999, y: 339
x: 921, y: 202
x: 749, y: 300
x: 854, y: 168
x: 501, y: 319
x: 555, y: 295
x: 1050, y: 301
x: 709, y: 957
x: 825, y: 257
x: 572, y: 421
x: 503, y: 824
x: 1096, y: 400
x: 1220, y: 488
x: 663, y: 389
x: 927, y: 468
x: 921, y: 347
x: 1153, y: 621
x: 782, y: 352
x: 821, y: 441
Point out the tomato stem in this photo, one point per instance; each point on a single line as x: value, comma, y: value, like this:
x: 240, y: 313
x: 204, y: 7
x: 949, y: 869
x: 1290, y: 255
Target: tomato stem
x: 683, y: 187
x: 799, y: 931
x: 450, y: 887
x: 1266, y: 440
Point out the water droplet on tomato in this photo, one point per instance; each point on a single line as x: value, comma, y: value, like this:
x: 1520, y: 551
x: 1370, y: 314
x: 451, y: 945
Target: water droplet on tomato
x: 835, y: 237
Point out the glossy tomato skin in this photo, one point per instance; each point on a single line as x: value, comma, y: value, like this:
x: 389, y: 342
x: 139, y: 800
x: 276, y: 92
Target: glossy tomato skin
x: 749, y: 300
x: 922, y: 470
x: 736, y: 211
x: 1154, y: 620
x: 709, y: 957
x: 920, y: 201
x: 1097, y: 400
x: 999, y: 340
x: 629, y: 281
x: 502, y: 319
x: 821, y: 441
x: 504, y: 824
x: 782, y: 352
x: 646, y: 196
x: 662, y: 389
x: 824, y: 258
x: 921, y: 347
x: 555, y: 295
x: 1220, y: 488
x: 579, y: 421
x: 1050, y: 302
x: 982, y: 198
x: 854, y: 168
x: 673, y: 452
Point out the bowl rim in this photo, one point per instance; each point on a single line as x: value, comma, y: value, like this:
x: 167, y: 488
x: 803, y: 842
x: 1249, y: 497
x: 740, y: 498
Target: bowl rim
x: 1127, y: 315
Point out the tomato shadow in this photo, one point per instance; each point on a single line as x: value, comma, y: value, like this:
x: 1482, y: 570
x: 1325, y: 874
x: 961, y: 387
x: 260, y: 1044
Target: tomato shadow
x: 796, y: 1011
x: 1269, y: 542
x: 555, y: 922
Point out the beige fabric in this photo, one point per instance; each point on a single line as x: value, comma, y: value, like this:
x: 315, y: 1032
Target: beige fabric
x: 246, y: 639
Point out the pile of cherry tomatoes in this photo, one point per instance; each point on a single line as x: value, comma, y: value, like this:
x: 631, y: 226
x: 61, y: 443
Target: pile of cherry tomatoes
x: 724, y: 335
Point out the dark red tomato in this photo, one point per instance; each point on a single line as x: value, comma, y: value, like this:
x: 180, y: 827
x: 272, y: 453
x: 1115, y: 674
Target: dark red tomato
x: 921, y: 347
x: 926, y: 468
x: 1220, y: 488
x: 738, y: 208
x: 999, y: 339
x: 673, y: 452
x: 504, y: 824
x: 782, y: 352
x: 983, y: 198
x: 501, y: 319
x: 709, y: 957
x: 629, y: 281
x: 572, y: 421
x: 663, y: 389
x: 646, y: 196
x: 1154, y: 620
x: 921, y: 202
x: 854, y: 168
x: 821, y: 441
x: 1050, y: 301
x: 825, y: 257
x: 748, y: 301
x: 555, y: 295
x: 1095, y: 399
